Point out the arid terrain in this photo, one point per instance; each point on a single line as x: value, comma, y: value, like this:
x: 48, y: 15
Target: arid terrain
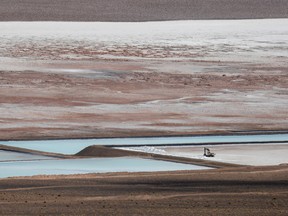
x: 136, y: 79
x: 135, y: 10
x: 241, y: 191
x: 221, y: 67
x: 45, y: 105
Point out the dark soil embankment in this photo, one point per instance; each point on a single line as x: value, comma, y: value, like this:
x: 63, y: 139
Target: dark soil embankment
x: 29, y: 151
x: 102, y: 151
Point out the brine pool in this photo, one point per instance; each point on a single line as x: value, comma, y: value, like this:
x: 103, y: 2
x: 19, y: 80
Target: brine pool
x: 91, y: 165
x: 20, y: 164
x: 73, y: 146
x: 6, y: 156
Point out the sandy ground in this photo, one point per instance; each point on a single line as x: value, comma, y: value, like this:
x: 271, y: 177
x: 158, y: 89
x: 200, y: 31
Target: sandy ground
x: 241, y: 191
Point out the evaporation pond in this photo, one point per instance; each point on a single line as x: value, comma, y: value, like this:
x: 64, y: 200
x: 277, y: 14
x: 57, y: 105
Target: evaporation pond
x: 72, y: 146
x: 91, y: 165
x: 17, y: 156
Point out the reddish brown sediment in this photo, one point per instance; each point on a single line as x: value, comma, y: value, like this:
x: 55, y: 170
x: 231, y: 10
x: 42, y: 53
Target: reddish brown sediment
x: 39, y: 105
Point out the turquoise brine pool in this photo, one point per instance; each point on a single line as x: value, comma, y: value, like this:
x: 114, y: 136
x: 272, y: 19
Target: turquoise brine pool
x: 72, y: 146
x: 91, y: 165
x: 18, y: 156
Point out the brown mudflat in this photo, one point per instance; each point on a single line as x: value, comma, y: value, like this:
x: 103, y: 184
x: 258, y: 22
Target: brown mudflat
x: 135, y: 10
x: 229, y: 191
x: 65, y: 110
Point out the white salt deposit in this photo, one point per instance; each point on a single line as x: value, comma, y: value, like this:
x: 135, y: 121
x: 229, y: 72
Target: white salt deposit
x: 246, y: 154
x: 238, y: 40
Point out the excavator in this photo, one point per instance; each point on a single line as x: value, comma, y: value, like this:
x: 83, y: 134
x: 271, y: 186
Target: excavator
x: 208, y: 153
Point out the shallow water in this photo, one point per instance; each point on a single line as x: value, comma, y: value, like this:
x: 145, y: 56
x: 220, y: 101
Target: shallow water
x: 92, y: 165
x: 17, y: 156
x: 75, y: 145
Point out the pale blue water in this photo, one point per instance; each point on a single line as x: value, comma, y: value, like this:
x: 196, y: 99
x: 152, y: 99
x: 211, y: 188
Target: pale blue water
x: 92, y: 165
x: 17, y: 156
x: 75, y: 145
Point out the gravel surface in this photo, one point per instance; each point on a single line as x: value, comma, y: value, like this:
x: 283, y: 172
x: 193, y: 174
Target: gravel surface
x: 233, y: 191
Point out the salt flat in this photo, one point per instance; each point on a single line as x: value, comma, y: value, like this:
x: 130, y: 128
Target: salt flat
x: 149, y: 78
x: 75, y: 80
x: 257, y: 41
x: 245, y: 154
